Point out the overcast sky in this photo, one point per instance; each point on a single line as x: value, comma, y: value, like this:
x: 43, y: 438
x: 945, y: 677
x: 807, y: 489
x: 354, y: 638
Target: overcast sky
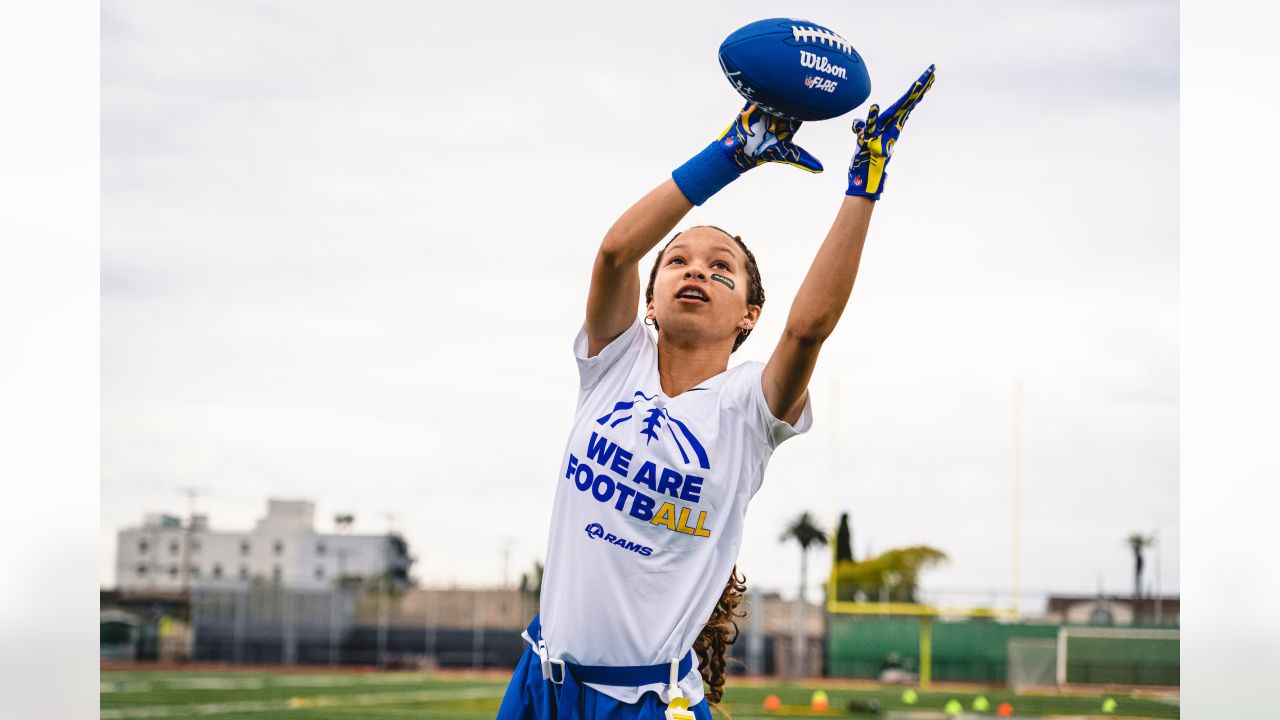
x: 346, y: 247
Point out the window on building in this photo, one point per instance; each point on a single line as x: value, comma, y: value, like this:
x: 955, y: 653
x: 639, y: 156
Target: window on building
x: 195, y: 571
x: 173, y: 547
x: 142, y: 547
x: 244, y: 572
x: 320, y: 548
x: 173, y: 571
x: 276, y: 574
x: 142, y: 570
x: 195, y: 545
x: 244, y: 548
x: 217, y: 571
x: 319, y: 572
x: 278, y: 547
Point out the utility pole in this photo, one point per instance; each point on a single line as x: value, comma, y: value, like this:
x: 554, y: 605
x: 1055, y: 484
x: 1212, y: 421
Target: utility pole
x: 477, y: 630
x: 288, y: 628
x: 755, y: 636
x: 383, y: 619
x: 800, y: 641
x: 429, y: 639
x: 333, y: 621
x: 506, y: 561
x: 337, y: 597
x: 185, y: 576
x: 241, y: 620
x: 384, y: 601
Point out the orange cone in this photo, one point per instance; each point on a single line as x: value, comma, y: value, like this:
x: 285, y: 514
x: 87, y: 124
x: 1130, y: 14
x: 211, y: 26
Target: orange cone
x: 773, y: 702
x: 1005, y: 710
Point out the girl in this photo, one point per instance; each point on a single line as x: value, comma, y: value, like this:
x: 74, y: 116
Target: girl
x: 669, y: 444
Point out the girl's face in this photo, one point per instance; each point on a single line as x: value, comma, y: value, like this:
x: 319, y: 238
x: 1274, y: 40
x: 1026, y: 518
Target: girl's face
x: 700, y: 292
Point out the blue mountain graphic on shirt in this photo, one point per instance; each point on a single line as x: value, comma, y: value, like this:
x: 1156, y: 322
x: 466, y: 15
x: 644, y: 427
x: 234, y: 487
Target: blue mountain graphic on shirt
x: 654, y: 421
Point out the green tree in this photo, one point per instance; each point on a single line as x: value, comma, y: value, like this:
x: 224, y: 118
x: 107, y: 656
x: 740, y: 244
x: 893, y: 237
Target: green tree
x: 844, y: 540
x: 807, y: 534
x: 844, y: 553
x: 893, y: 575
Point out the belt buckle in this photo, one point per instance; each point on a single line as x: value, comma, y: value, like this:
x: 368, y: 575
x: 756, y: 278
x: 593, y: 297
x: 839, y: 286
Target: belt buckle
x: 542, y: 658
x: 550, y: 670
x: 549, y: 664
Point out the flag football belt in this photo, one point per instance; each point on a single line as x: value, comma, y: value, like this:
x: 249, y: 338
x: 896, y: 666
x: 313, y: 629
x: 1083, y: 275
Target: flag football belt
x: 569, y: 675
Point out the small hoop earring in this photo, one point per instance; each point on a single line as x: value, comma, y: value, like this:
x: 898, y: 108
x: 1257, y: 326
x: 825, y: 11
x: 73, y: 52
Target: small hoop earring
x: 650, y: 321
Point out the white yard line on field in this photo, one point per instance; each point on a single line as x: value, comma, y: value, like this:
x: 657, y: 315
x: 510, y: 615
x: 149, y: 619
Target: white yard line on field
x: 253, y: 683
x: 243, y: 706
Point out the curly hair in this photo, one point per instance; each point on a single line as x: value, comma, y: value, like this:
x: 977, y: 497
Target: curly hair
x: 755, y: 289
x: 721, y: 630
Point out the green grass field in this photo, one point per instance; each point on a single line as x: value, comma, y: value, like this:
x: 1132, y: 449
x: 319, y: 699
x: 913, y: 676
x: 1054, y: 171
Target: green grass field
x: 255, y: 695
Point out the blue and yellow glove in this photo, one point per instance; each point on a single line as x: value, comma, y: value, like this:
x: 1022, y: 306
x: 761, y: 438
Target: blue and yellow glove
x: 753, y: 138
x: 876, y: 137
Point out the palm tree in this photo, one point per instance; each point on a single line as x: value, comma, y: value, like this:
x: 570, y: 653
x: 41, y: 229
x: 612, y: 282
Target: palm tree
x: 1138, y: 542
x: 806, y: 533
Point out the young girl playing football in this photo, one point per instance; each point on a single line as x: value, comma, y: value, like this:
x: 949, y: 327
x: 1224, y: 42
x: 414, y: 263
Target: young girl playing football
x: 669, y: 443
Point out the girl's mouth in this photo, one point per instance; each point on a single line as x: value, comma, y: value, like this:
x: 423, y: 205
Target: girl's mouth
x: 692, y: 293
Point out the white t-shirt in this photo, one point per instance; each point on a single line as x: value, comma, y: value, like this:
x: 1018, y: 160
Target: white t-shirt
x: 649, y: 508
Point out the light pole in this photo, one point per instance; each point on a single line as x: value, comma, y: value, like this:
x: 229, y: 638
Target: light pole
x: 334, y: 598
x: 429, y: 642
x: 382, y: 620
x: 188, y: 535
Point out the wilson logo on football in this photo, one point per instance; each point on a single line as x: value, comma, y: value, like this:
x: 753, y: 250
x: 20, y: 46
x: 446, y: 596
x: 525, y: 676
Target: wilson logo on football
x: 817, y: 83
x: 822, y: 64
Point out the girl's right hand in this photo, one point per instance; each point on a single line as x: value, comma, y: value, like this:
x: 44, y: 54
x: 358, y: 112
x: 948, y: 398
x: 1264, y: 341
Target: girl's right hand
x: 755, y: 137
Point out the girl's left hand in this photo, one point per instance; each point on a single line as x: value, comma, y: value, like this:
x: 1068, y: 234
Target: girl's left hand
x: 876, y: 137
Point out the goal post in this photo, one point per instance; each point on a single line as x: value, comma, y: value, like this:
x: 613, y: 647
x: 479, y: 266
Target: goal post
x: 923, y: 614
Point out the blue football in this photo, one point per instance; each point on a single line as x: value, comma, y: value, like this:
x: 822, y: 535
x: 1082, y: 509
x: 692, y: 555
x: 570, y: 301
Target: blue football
x: 795, y: 69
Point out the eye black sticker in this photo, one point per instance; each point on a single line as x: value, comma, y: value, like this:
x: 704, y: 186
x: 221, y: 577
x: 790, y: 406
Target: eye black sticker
x: 728, y: 282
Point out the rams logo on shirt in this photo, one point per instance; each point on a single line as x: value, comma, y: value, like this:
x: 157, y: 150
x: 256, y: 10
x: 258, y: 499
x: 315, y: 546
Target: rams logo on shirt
x: 596, y: 530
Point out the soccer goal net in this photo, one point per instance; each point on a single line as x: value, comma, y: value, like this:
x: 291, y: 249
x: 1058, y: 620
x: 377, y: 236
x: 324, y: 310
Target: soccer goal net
x: 1119, y: 656
x: 1032, y: 662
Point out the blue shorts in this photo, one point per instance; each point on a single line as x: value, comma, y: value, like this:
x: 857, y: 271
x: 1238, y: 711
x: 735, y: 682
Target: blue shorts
x: 530, y: 697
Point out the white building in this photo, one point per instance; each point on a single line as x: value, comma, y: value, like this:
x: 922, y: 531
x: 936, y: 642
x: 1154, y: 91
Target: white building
x: 283, y: 548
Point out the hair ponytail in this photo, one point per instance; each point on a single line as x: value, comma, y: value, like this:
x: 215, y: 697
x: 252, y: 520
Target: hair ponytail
x: 721, y: 630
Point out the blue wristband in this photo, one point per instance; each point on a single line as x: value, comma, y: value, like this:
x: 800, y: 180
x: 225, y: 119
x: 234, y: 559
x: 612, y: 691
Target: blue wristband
x: 706, y: 173
x: 860, y: 191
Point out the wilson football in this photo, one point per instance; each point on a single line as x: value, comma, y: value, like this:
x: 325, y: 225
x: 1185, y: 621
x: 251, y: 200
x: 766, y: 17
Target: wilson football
x: 795, y: 69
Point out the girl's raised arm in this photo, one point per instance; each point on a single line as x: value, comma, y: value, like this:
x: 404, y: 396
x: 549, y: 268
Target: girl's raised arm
x: 752, y: 139
x: 826, y: 288
x: 615, y: 279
